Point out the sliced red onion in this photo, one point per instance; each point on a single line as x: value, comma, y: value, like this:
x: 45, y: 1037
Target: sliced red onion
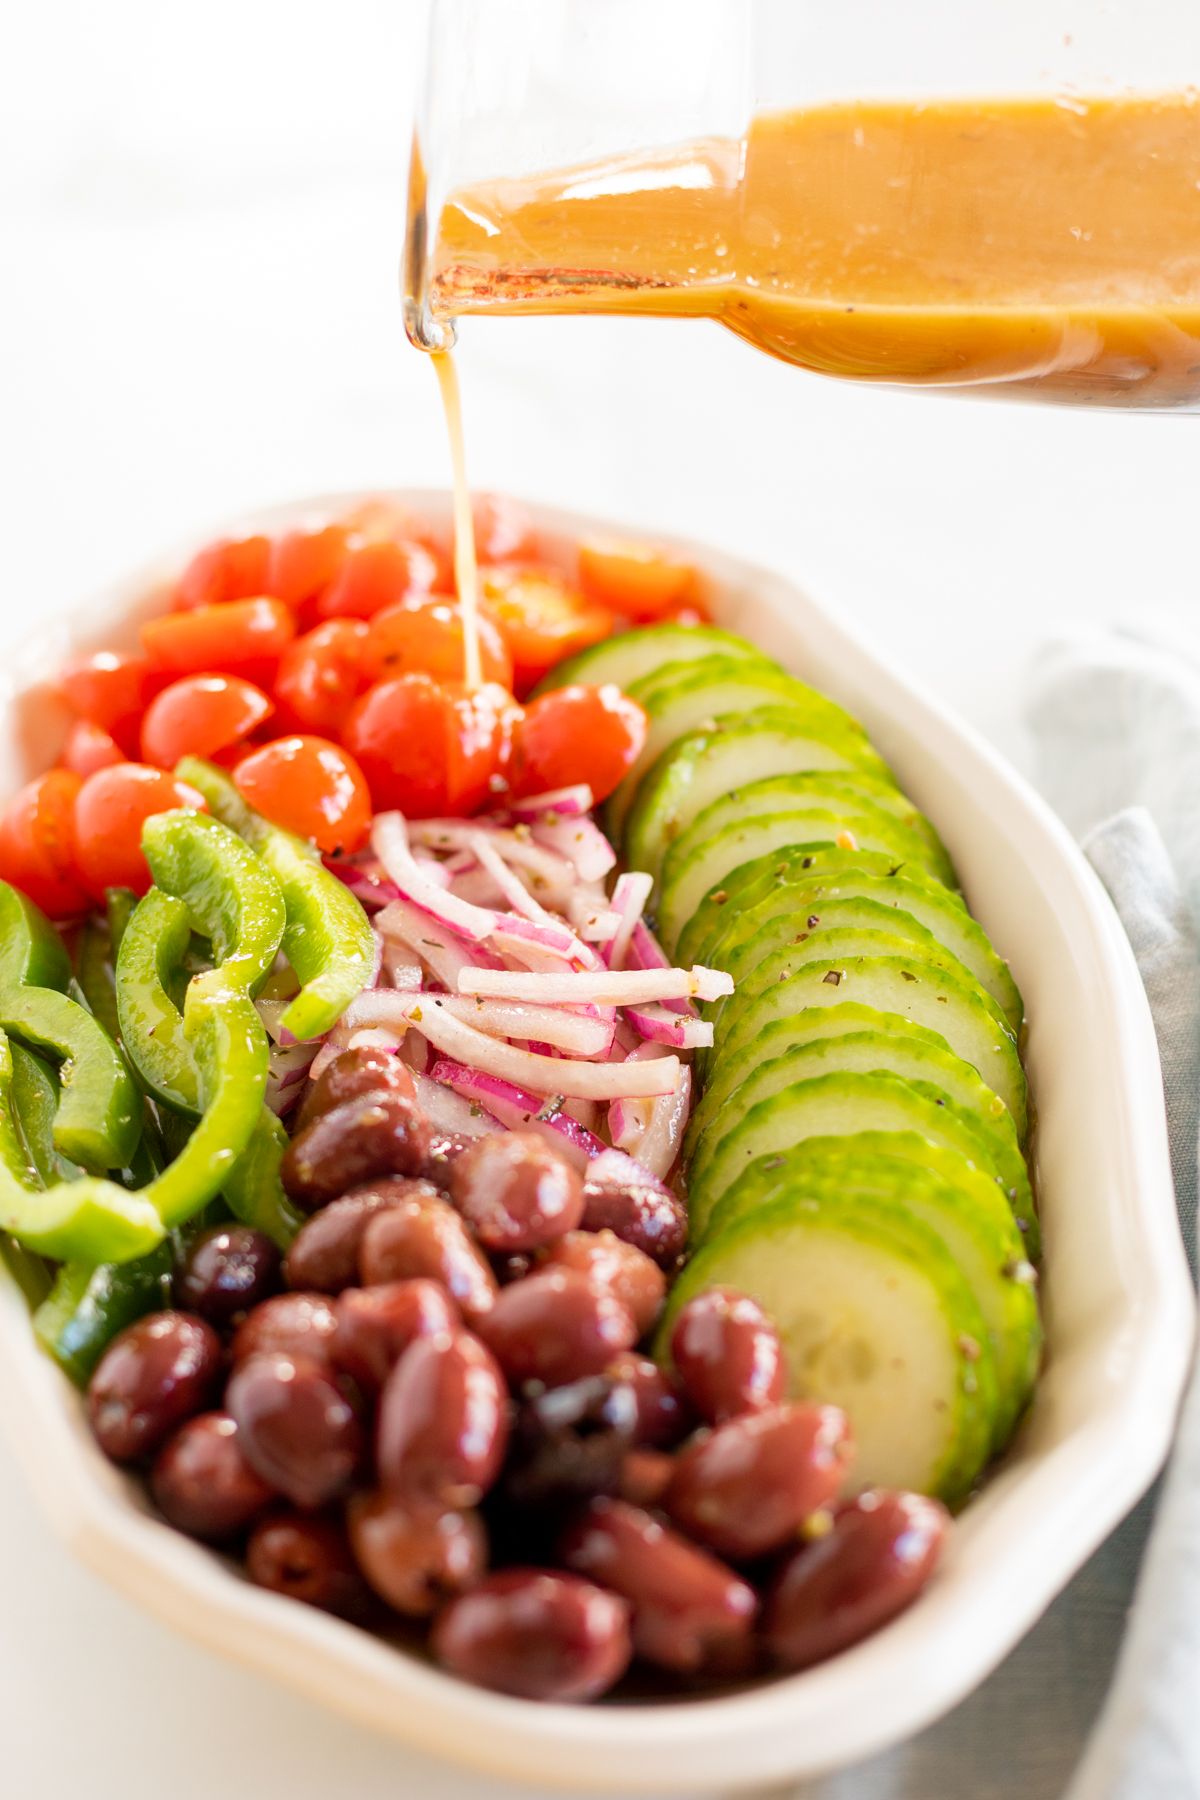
x: 369, y: 890
x: 389, y: 837
x: 611, y: 987
x: 449, y: 1112
x: 598, y: 927
x: 568, y: 802
x: 346, y: 1036
x: 550, y: 877
x: 513, y: 892
x: 579, y: 841
x: 652, y: 1130
x: 629, y: 897
x: 520, y: 1110
x: 440, y: 949
x: 616, y: 1168
x: 557, y: 1027
x: 402, y: 967
x: 544, y: 1074
x: 270, y: 1012
x: 286, y: 1076
x: 550, y: 946
x: 433, y: 870
x: 659, y: 1025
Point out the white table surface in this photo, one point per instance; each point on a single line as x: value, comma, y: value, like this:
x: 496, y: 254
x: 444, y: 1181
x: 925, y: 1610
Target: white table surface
x: 200, y: 222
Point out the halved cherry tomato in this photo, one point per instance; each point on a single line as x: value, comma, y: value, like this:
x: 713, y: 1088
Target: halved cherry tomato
x: 592, y: 734
x: 230, y: 569
x: 88, y: 748
x: 321, y: 675
x: 110, y: 810
x: 37, y: 844
x: 427, y: 636
x: 240, y: 637
x: 200, y: 715
x: 113, y: 692
x: 541, y: 618
x: 375, y: 575
x: 432, y: 747
x: 503, y: 529
x: 635, y: 579
x: 311, y: 787
x: 303, y: 562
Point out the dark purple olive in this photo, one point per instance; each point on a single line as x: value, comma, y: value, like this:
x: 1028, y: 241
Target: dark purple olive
x: 292, y: 1324
x: 516, y: 1191
x: 228, y: 1270
x: 609, y: 1262
x: 425, y: 1237
x: 307, y: 1557
x: 746, y: 1488
x: 363, y: 1070
x: 202, y: 1484
x: 415, y: 1558
x: 443, y: 1422
x: 324, y: 1255
x: 153, y: 1376
x: 295, y: 1426
x: 646, y: 1401
x: 381, y: 1132
x: 540, y: 1635
x: 554, y: 1327
x: 728, y: 1355
x: 377, y: 1324
x: 640, y: 1214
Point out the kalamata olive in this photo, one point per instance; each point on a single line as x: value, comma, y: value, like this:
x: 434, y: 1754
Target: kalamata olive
x: 689, y: 1610
x: 324, y: 1254
x: 645, y: 1476
x: 876, y: 1557
x: 228, y: 1269
x: 307, y: 1556
x: 294, y: 1324
x: 746, y: 1487
x: 542, y: 1636
x: 647, y: 1217
x: 513, y: 1267
x: 376, y: 1325
x: 516, y: 1191
x: 445, y: 1147
x: 646, y: 1402
x: 381, y: 1132
x: 295, y: 1426
x: 728, y: 1355
x: 554, y: 1327
x: 425, y: 1237
x: 154, y: 1375
x: 415, y: 1558
x: 622, y: 1268
x: 364, y: 1070
x: 443, y: 1422
x: 564, y: 1450
x: 202, y: 1484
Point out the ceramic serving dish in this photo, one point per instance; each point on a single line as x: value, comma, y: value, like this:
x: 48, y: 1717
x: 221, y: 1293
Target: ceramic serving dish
x: 1119, y: 1310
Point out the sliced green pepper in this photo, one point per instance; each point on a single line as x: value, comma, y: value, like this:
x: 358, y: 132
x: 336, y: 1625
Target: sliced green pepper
x: 119, y: 906
x: 328, y: 938
x: 254, y: 1192
x: 232, y: 897
x: 94, y: 967
x: 154, y: 943
x: 35, y: 1104
x: 87, y: 1306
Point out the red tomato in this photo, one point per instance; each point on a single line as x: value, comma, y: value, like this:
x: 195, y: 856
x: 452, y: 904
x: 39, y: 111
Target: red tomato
x: 304, y: 562
x: 592, y: 734
x: 110, y: 810
x: 541, y: 619
x: 321, y: 674
x: 37, y: 844
x: 376, y: 575
x: 311, y: 787
x: 503, y: 529
x: 88, y: 748
x: 112, y: 692
x: 200, y: 715
x: 230, y: 569
x: 432, y: 747
x: 635, y: 579
x: 426, y: 636
x: 241, y: 637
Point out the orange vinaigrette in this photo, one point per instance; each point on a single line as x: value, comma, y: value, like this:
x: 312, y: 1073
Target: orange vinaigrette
x: 466, y: 566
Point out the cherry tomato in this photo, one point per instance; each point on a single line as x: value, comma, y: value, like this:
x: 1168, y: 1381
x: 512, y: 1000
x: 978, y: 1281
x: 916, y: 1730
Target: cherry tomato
x: 37, y: 844
x: 321, y: 674
x: 592, y: 734
x: 503, y: 529
x: 311, y: 787
x: 88, y: 748
x: 427, y: 636
x: 240, y: 637
x: 432, y: 747
x: 201, y: 715
x: 112, y: 692
x: 230, y: 569
x: 375, y: 575
x: 635, y: 579
x: 541, y: 618
x: 110, y: 810
x: 303, y: 562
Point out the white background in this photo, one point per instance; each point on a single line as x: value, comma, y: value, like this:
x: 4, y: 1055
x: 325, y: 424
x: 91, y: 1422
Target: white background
x: 200, y: 220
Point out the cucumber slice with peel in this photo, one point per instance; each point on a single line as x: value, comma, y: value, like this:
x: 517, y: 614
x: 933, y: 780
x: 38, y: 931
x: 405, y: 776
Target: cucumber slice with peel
x: 650, y: 649
x: 875, y: 1318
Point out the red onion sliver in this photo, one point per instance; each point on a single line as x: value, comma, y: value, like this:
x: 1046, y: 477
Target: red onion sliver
x: 449, y: 1112
x: 558, y: 1027
x: 629, y: 897
x: 616, y: 1168
x: 389, y: 836
x: 611, y: 987
x: 569, y: 802
x: 520, y: 1110
x: 659, y: 1025
x: 511, y: 888
x: 581, y: 842
x: 652, y: 1130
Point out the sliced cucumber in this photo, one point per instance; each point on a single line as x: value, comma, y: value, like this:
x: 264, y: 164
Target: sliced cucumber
x: 958, y: 1011
x: 950, y: 1196
x: 696, y: 865
x: 705, y: 765
x: 875, y: 1318
x: 680, y: 701
x: 819, y: 905
x: 790, y: 865
x: 632, y: 655
x: 833, y: 1105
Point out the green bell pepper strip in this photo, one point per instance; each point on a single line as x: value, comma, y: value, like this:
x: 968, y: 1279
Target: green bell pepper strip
x: 232, y: 897
x: 328, y: 938
x: 87, y: 1307
x: 254, y: 1193
x: 154, y: 942
x: 93, y: 963
x: 119, y: 906
x: 35, y: 1105
x: 98, y: 1118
